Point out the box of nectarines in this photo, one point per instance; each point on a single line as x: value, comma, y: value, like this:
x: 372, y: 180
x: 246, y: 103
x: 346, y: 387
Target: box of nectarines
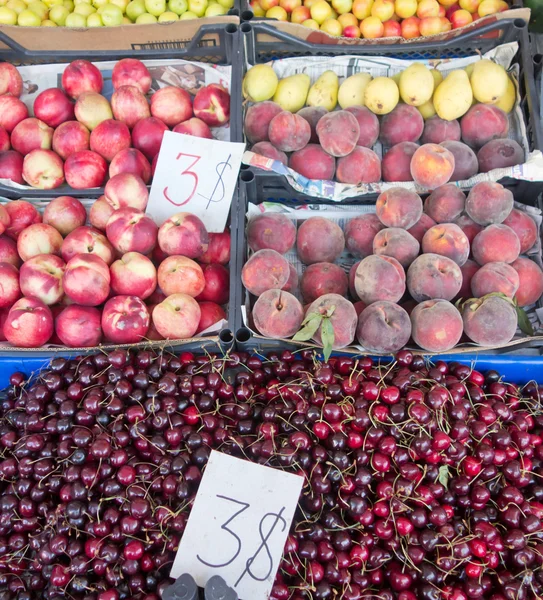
x: 348, y: 126
x: 451, y: 273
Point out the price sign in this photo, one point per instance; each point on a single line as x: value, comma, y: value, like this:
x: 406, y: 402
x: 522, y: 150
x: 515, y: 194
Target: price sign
x: 195, y: 175
x: 238, y: 525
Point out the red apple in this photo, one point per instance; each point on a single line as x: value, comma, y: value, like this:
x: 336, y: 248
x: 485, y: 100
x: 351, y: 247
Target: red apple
x: 38, y: 239
x: 217, y: 284
x: 69, y: 138
x: 5, y: 219
x: 132, y: 161
x: 147, y: 136
x: 218, y: 250
x: 4, y: 140
x: 22, y: 214
x: 29, y: 324
x: 129, y: 105
x: 53, y: 107
x: 131, y: 71
x: 172, y: 105
x: 11, y: 166
x: 85, y: 169
x: 183, y: 234
x: 43, y: 169
x: 100, y: 213
x: 212, y: 105
x: 110, y: 138
x: 130, y: 230
x: 11, y: 81
x: 86, y: 240
x: 65, y: 214
x: 8, y: 251
x: 86, y: 280
x: 133, y: 275
x: 41, y: 277
x: 126, y: 191
x: 181, y: 275
x: 12, y: 111
x: 125, y: 320
x: 211, y: 313
x: 81, y: 76
x: 177, y: 317
x: 31, y: 134
x: 9, y: 285
x: 195, y: 127
x: 79, y: 326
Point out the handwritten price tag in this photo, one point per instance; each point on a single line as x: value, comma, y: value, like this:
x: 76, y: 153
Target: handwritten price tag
x: 195, y: 175
x: 238, y: 525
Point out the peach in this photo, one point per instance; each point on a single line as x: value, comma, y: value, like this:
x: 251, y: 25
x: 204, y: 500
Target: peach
x: 437, y: 130
x: 432, y: 25
x: 466, y: 164
x: 496, y: 243
x: 352, y: 278
x: 10, y: 290
x: 125, y: 320
x: 288, y: 132
x: 489, y: 203
x: 360, y: 232
x: 133, y: 275
x: 268, y: 150
x: 195, y: 127
x: 398, y: 244
x: 110, y: 138
x: 210, y: 314
x: 446, y: 204
x: 383, y: 327
x: 312, y: 114
x: 323, y: 278
x: 41, y: 277
x: 362, y: 165
x: 410, y: 28
x: 4, y: 219
x: 181, y: 275
x: 38, y: 239
x: 421, y: 227
x: 432, y: 165
x: 499, y: 154
x: 130, y: 230
x: 257, y: 120
x: 379, y: 278
x: 525, y: 228
x: 79, y: 326
x: 469, y: 227
x: 368, y: 123
x: 460, y: 18
x: 469, y: 268
x: 8, y: 251
x: 65, y: 214
x: 265, y: 270
x: 398, y: 207
x: 392, y: 28
x: 338, y: 132
x: 344, y: 319
x: 495, y: 277
x: 403, y: 124
x: 29, y: 324
x: 359, y: 307
x: 313, y: 162
x: 126, y: 191
x: 85, y: 169
x: 447, y: 239
x: 319, y: 240
x: 482, y: 123
x: 481, y: 315
x: 530, y: 287
x: 433, y: 277
x: 292, y: 284
x: 183, y: 234
x: 217, y: 284
x: 131, y: 71
x: 69, y: 138
x: 31, y: 134
x: 372, y: 27
x: 86, y: 280
x: 100, y: 213
x: 436, y: 325
x: 177, y: 317
x: 396, y: 164
x: 218, y: 250
x: 43, y: 169
x: 86, y: 240
x: 277, y: 314
x: 131, y: 161
x: 172, y: 105
x: 22, y: 214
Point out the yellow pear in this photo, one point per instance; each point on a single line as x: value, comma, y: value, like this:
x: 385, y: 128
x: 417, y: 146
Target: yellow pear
x: 488, y: 81
x: 292, y: 91
x: 507, y: 101
x: 438, y: 77
x: 351, y: 91
x: 259, y: 83
x: 427, y: 110
x: 416, y: 84
x: 381, y: 95
x: 453, y: 96
x: 469, y: 69
x: 396, y: 77
x: 324, y: 91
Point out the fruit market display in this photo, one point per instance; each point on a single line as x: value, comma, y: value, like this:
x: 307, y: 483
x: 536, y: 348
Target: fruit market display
x: 120, y: 280
x: 378, y: 18
x: 410, y: 264
x: 421, y: 481
x: 327, y: 130
x: 79, y: 137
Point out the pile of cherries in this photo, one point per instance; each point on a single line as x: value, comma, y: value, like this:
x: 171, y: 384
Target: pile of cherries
x: 422, y: 481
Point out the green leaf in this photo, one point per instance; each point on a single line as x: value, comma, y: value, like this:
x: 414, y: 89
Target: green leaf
x: 309, y: 327
x: 443, y: 476
x: 524, y: 322
x: 328, y: 338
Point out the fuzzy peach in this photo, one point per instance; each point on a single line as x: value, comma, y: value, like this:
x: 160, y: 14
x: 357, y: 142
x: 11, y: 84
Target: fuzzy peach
x: 489, y: 203
x: 432, y: 165
x: 323, y: 278
x: 313, y: 162
x: 525, y: 228
x: 482, y: 123
x: 499, y: 154
x: 379, y: 278
x: 319, y: 240
x: 496, y: 243
x: 257, y: 120
x: 437, y: 130
x: 344, y: 319
x: 403, y: 124
x: 312, y: 114
x: 362, y: 165
x: 360, y: 232
x: 421, y: 227
x: 447, y: 239
x: 396, y: 163
x: 497, y: 277
x: 469, y: 268
x: 383, y: 327
x: 265, y: 270
x: 530, y: 275
x: 446, y: 204
x: 288, y: 132
x: 469, y: 227
x: 368, y: 123
x: 268, y: 150
x: 398, y: 244
x: 481, y: 315
x: 466, y: 164
x: 436, y: 325
x: 398, y: 207
x: 277, y: 314
x: 433, y: 277
x: 338, y: 132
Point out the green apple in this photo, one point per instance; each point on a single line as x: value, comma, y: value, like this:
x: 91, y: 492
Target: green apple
x: 84, y: 9
x: 27, y: 18
x: 16, y: 5
x: 135, y: 9
x: 98, y: 3
x: 58, y: 15
x: 94, y: 20
x: 155, y: 7
x: 198, y: 7
x: 178, y: 6
x: 69, y: 5
x: 215, y: 10
x: 39, y: 8
x: 168, y: 17
x: 226, y: 3
x: 48, y: 23
x: 51, y: 3
x: 7, y: 16
x: 187, y: 16
x: 111, y: 14
x: 75, y: 20
x: 122, y: 4
x: 146, y: 19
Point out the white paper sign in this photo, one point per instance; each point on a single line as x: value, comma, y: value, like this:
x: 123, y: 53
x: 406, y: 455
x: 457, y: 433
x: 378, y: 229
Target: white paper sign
x: 195, y: 175
x: 238, y: 525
